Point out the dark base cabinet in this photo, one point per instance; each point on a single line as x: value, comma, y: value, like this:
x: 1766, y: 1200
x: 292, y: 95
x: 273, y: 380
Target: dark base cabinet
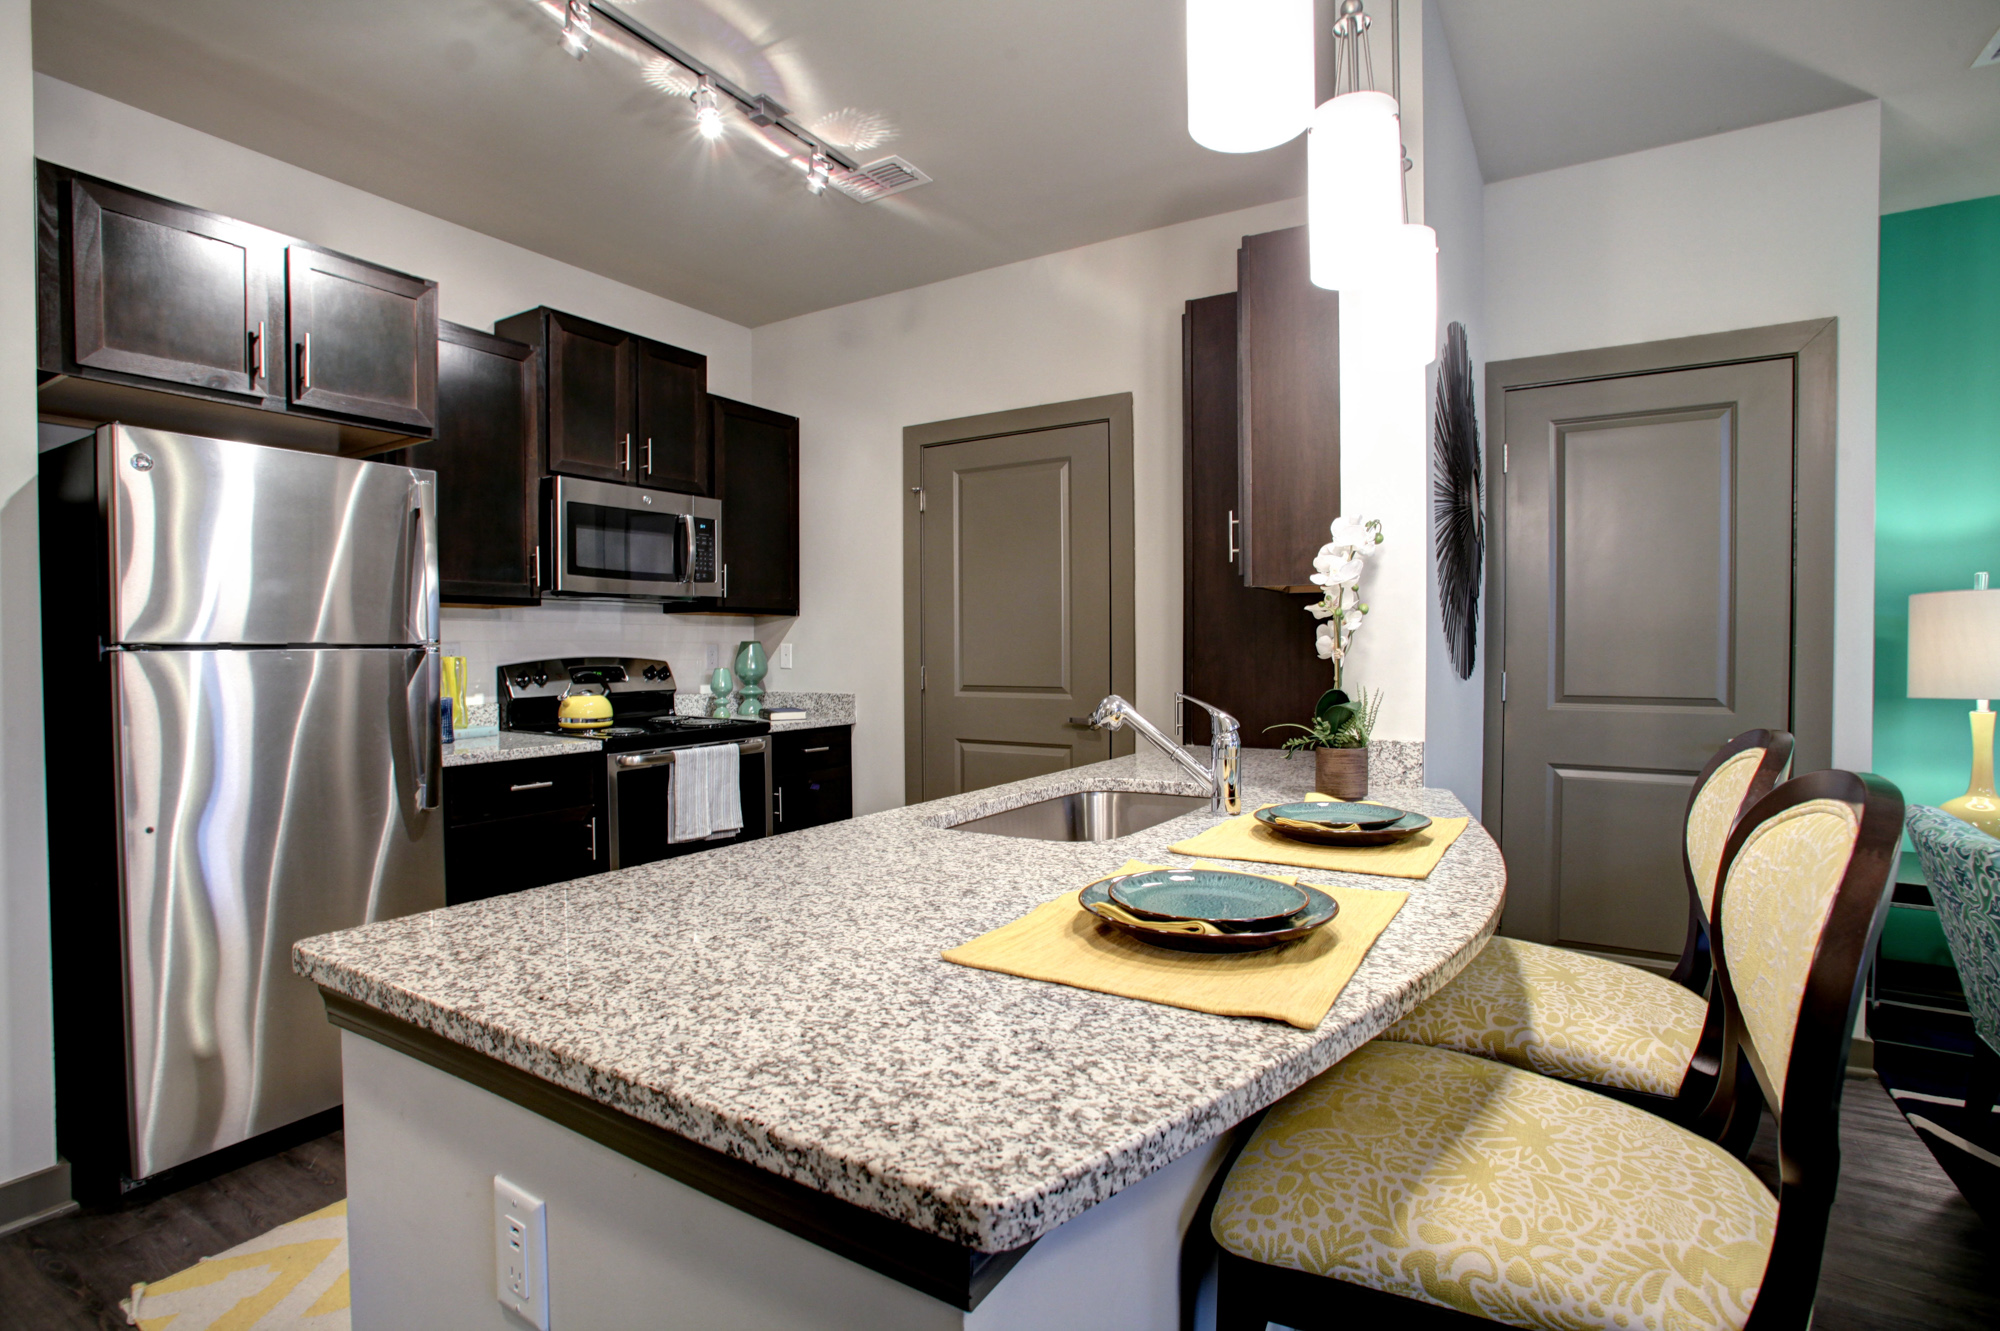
x: 510, y: 826
x: 812, y: 777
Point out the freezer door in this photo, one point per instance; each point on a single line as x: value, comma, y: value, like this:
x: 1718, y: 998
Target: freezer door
x: 267, y: 796
x: 220, y: 542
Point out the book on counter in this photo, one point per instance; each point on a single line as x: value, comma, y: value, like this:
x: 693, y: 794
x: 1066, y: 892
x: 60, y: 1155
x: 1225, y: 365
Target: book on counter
x: 784, y: 713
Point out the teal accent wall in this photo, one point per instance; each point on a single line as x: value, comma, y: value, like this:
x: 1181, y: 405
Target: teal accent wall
x: 1937, y: 479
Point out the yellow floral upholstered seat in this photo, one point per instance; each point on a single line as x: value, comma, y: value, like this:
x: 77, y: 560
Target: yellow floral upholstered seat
x: 1563, y: 1014
x: 1579, y: 1017
x: 1468, y: 1184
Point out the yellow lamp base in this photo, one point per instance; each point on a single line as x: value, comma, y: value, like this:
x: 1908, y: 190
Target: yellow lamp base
x: 1979, y: 805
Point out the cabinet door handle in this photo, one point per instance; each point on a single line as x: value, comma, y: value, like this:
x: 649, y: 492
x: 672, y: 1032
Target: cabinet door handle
x: 1233, y: 524
x: 649, y: 455
x: 593, y: 839
x: 257, y: 354
x: 535, y: 565
x: 532, y: 785
x: 779, y: 796
x: 625, y: 454
x: 306, y: 363
x: 725, y: 582
x: 822, y: 748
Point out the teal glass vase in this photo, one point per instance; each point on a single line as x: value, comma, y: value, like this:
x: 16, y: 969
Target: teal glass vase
x: 751, y: 666
x: 722, y: 685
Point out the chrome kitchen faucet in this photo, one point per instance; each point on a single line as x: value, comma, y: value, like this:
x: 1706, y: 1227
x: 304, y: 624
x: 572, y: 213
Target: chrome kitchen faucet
x: 1225, y: 748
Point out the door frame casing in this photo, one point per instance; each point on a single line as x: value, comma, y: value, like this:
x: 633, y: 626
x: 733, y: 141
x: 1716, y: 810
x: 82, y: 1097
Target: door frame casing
x: 1115, y: 412
x: 1812, y: 346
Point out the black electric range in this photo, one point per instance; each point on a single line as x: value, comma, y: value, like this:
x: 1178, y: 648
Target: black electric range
x: 642, y: 704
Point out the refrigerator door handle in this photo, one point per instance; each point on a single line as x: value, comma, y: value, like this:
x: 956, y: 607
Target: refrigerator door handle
x: 423, y: 594
x: 427, y: 727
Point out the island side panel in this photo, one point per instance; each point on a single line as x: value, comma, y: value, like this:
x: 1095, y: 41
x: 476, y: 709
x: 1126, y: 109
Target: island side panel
x: 629, y: 1246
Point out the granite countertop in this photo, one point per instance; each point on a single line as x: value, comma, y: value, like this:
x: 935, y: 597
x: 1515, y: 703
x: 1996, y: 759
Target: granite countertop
x: 507, y: 746
x: 822, y: 709
x: 816, y: 1033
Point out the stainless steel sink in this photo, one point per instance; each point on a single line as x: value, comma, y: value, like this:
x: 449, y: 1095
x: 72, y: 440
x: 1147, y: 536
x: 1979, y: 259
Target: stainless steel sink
x: 1086, y: 815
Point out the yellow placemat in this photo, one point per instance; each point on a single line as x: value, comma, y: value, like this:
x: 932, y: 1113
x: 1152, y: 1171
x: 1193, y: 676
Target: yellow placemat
x: 1295, y: 982
x: 1245, y: 838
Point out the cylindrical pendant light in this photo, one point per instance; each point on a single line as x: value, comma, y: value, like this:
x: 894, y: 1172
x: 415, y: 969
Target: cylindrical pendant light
x: 1250, y: 72
x: 1393, y: 314
x: 1354, y: 186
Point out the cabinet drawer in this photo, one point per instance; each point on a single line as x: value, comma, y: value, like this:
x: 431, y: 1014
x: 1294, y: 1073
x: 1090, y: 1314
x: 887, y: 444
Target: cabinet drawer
x: 515, y: 789
x: 815, y: 749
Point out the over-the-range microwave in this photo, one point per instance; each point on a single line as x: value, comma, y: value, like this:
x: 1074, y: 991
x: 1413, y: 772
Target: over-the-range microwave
x: 621, y: 540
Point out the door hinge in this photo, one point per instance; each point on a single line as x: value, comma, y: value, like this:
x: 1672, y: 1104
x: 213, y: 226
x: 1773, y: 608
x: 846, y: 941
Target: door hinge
x: 1503, y: 686
x: 923, y: 679
x: 1503, y: 459
x: 918, y: 491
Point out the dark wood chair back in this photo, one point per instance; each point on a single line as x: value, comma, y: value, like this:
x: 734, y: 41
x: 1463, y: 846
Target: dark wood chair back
x: 1800, y: 906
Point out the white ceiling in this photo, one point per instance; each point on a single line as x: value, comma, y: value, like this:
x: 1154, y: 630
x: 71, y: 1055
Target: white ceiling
x: 1046, y: 123
x: 1549, y: 83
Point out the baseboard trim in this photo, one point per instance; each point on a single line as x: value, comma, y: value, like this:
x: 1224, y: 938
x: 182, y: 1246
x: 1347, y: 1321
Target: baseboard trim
x: 33, y: 1198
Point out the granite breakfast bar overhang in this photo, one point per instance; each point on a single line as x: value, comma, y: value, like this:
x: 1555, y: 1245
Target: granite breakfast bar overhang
x: 746, y: 1082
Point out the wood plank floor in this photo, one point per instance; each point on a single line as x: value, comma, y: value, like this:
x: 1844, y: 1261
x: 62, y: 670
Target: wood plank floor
x: 1904, y: 1252
x: 68, y: 1274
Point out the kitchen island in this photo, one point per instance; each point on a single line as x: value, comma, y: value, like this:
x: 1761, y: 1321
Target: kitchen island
x: 752, y: 1093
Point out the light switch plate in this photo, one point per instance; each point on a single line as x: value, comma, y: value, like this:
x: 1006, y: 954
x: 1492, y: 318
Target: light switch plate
x: 712, y: 655
x: 785, y: 657
x: 521, y: 1253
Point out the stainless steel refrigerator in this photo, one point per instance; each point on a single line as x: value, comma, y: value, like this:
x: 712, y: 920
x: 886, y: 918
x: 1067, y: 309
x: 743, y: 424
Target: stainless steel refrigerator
x: 241, y: 698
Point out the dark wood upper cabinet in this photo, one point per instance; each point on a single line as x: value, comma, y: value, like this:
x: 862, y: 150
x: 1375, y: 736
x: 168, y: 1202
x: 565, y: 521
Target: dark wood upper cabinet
x: 170, y: 293
x: 757, y: 480
x: 587, y: 388
x: 1288, y: 436
x: 363, y: 338
x: 487, y: 456
x: 670, y: 429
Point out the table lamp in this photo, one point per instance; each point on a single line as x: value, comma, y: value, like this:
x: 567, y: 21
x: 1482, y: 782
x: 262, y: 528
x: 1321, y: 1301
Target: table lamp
x: 1955, y: 653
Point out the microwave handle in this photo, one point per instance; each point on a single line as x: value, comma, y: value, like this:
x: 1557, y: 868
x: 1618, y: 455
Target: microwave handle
x: 687, y: 553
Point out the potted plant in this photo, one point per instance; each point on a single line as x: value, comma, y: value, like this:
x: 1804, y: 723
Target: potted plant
x: 1341, y: 725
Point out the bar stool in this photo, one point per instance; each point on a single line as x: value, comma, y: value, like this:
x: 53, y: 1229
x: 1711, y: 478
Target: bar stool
x: 1649, y: 1040
x: 1435, y: 1188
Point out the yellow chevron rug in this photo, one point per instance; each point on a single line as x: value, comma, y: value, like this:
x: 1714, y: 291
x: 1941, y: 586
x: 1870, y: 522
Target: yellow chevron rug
x: 291, y: 1279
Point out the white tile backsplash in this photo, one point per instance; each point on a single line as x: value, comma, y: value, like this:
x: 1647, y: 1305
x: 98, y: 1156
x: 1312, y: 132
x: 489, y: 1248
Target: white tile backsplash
x: 491, y: 638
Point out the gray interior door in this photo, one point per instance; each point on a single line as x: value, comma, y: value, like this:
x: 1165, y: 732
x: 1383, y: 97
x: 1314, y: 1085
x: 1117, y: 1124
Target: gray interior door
x: 1016, y: 557
x: 268, y: 796
x: 1648, y: 586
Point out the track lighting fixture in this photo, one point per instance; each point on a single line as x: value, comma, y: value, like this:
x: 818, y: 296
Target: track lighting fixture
x: 707, y: 114
x: 818, y: 173
x: 576, y: 28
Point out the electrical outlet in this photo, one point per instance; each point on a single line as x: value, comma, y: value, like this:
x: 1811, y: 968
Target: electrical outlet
x: 711, y: 657
x: 521, y: 1253
x: 785, y: 657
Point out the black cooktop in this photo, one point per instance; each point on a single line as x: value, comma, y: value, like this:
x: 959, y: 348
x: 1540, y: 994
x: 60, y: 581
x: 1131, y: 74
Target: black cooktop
x: 642, y: 703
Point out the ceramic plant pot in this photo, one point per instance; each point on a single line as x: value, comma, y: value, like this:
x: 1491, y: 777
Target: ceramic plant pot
x: 1341, y: 773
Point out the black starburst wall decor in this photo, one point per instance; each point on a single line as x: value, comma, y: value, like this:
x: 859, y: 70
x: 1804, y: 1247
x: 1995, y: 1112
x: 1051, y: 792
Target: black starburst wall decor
x: 1458, y: 513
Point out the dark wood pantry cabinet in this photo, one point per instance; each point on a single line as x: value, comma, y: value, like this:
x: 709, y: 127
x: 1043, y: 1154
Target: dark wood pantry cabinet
x: 1288, y: 411
x: 619, y: 407
x: 160, y: 315
x: 488, y: 460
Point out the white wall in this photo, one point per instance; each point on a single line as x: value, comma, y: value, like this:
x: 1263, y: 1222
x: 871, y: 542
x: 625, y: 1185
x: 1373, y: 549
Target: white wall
x: 27, y: 1089
x: 1102, y: 319
x: 479, y: 279
x: 1759, y: 226
x: 1454, y: 200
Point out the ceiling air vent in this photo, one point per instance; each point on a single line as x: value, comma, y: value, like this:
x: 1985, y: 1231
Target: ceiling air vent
x: 879, y: 179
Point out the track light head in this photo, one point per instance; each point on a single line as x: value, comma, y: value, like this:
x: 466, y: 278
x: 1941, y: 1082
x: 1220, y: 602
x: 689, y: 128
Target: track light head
x: 818, y: 173
x: 576, y: 28
x: 707, y: 110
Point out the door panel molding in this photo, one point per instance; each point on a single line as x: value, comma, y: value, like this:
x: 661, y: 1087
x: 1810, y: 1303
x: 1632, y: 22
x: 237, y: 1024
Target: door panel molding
x: 1812, y: 346
x: 1115, y: 412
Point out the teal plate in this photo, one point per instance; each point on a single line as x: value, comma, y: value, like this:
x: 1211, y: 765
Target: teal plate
x: 1228, y: 900
x: 1320, y: 908
x: 1327, y: 813
x: 1406, y: 826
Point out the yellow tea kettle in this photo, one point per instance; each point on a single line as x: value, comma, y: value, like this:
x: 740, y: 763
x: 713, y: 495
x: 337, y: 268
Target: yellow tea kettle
x: 583, y: 711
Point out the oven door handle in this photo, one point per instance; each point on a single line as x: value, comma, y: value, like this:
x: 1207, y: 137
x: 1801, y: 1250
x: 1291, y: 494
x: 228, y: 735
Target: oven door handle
x: 634, y: 760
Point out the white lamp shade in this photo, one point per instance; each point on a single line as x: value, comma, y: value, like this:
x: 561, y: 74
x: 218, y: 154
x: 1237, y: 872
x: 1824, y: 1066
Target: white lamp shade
x: 1354, y: 186
x: 1250, y: 72
x: 1955, y: 645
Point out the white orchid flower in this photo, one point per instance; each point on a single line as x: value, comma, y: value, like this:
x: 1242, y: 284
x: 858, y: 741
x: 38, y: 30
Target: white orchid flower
x: 1353, y: 531
x: 1342, y: 574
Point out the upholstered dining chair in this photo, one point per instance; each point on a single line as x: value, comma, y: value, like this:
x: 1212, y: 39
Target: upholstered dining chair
x: 1438, y: 1189
x: 1962, y: 865
x: 1603, y: 1024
